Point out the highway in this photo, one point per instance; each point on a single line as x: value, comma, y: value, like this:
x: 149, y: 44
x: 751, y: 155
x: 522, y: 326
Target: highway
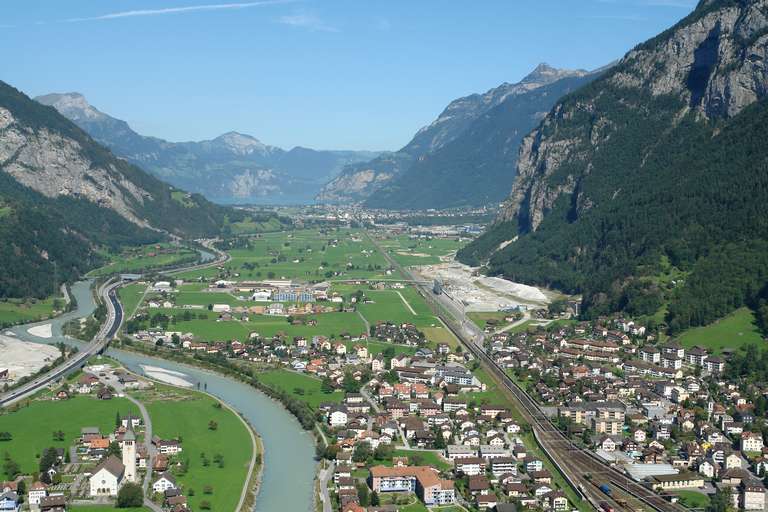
x: 581, y: 467
x: 96, y: 345
x: 108, y: 295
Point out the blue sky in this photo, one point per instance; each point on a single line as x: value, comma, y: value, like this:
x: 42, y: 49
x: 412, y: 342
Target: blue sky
x: 328, y: 74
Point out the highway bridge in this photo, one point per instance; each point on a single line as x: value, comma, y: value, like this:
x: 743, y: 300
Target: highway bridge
x: 581, y: 467
x: 108, y: 294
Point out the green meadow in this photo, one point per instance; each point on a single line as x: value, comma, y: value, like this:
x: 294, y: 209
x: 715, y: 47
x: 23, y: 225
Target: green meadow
x: 32, y: 426
x: 303, y: 254
x: 734, y: 331
x: 186, y: 415
x: 300, y: 386
x: 14, y: 311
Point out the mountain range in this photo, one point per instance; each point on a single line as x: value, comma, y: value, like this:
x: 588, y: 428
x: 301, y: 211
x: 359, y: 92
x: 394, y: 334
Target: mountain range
x: 466, y: 157
x: 232, y: 168
x: 646, y: 190
x: 64, y: 199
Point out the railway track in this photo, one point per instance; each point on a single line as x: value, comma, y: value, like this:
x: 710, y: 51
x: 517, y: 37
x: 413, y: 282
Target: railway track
x: 573, y: 461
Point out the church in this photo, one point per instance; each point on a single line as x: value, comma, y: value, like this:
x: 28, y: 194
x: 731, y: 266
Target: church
x: 111, y: 474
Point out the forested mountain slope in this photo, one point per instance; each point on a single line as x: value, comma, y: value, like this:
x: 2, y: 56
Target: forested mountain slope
x: 62, y: 195
x: 477, y: 167
x: 662, y: 159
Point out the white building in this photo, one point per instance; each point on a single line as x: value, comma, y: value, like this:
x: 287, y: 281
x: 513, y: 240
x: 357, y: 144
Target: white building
x: 37, y: 492
x: 107, y: 477
x: 165, y: 482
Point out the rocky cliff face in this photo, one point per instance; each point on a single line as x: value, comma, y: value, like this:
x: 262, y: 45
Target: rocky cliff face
x: 54, y: 166
x: 360, y: 181
x: 712, y: 63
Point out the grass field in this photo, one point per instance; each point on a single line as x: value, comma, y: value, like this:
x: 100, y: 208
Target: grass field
x: 210, y: 330
x: 481, y: 318
x: 409, y: 252
x: 144, y: 258
x: 733, y: 331
x: 17, y: 310
x: 303, y: 254
x: 130, y: 297
x: 185, y: 415
x: 32, y: 427
x: 424, y: 458
x: 693, y: 499
x: 302, y: 387
x: 103, y: 508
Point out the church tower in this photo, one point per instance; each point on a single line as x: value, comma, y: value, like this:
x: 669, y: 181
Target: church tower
x: 128, y: 446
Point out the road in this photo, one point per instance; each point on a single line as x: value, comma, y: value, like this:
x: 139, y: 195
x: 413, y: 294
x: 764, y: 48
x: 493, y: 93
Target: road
x: 323, y: 477
x: 96, y: 345
x: 573, y: 461
x: 108, y: 294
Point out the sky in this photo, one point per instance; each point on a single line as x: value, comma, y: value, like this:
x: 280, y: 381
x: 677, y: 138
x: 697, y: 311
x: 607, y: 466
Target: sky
x: 326, y: 74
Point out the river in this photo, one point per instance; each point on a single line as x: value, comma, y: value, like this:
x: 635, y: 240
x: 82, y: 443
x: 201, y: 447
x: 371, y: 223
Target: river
x: 289, y: 466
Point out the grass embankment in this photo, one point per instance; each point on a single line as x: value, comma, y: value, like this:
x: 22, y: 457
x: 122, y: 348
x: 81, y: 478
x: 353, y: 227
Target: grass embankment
x: 131, y: 296
x: 734, y: 331
x: 139, y: 259
x: 187, y: 415
x: 32, y: 427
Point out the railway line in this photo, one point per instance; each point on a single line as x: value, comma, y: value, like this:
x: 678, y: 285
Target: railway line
x: 582, y: 468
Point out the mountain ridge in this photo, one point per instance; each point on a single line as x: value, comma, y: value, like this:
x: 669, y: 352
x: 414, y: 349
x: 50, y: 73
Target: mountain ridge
x: 359, y: 182
x: 657, y: 164
x: 231, y: 168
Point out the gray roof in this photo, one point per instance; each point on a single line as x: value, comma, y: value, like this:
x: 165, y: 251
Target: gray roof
x: 113, y: 465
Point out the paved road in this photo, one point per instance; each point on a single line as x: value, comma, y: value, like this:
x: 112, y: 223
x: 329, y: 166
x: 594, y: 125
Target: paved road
x: 574, y: 462
x: 323, y: 477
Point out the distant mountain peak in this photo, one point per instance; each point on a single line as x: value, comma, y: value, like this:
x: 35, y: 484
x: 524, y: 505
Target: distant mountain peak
x: 72, y: 105
x: 242, y: 143
x: 545, y: 74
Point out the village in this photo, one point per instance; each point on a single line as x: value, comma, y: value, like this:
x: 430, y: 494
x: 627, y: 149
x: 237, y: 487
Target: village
x: 669, y: 416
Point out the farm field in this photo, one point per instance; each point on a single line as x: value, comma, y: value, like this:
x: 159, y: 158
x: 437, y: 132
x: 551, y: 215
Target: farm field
x: 734, y: 331
x: 302, y: 387
x: 419, y: 251
x: 32, y: 427
x: 14, y: 311
x: 209, y: 329
x: 145, y: 258
x: 186, y: 415
x: 304, y: 254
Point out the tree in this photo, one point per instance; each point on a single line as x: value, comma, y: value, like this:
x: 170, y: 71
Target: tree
x: 47, y: 461
x: 114, y: 449
x: 130, y: 495
x: 362, y: 452
x: 721, y: 501
x: 363, y: 495
x: 374, y: 499
x: 326, y: 386
x: 212, y: 425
